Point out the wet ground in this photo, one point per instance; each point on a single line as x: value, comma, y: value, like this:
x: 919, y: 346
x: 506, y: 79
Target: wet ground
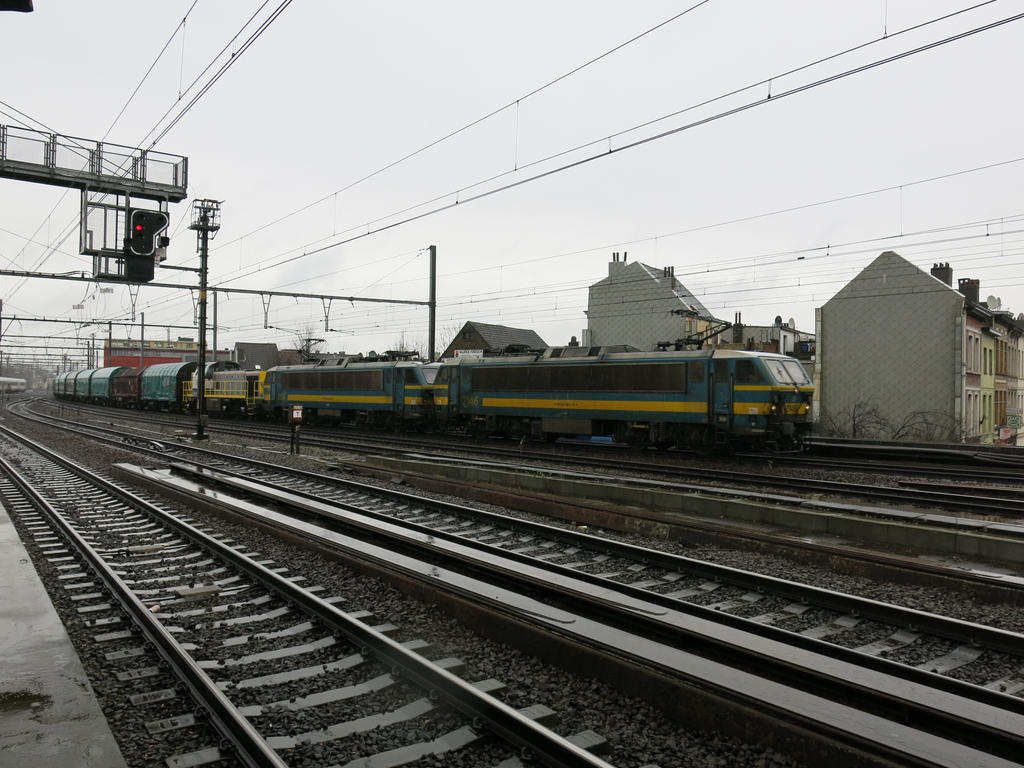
x: 48, y: 715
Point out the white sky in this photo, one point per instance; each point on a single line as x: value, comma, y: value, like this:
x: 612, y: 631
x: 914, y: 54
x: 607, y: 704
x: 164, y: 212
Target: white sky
x: 333, y: 91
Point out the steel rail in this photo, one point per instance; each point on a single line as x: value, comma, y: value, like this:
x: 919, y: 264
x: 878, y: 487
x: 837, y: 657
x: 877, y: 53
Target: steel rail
x: 952, y: 629
x: 930, y: 703
x: 250, y: 746
x: 633, y: 622
x: 531, y: 737
x: 962, y: 501
x: 962, y: 631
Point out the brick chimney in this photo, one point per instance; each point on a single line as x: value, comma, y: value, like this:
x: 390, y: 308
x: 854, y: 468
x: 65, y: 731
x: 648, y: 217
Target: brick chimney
x: 970, y: 288
x: 617, y: 264
x: 737, y: 329
x: 943, y: 272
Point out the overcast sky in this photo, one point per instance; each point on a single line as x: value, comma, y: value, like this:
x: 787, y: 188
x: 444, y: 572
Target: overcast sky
x: 765, y: 211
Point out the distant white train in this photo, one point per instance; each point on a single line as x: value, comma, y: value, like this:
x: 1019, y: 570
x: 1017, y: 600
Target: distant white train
x: 8, y: 385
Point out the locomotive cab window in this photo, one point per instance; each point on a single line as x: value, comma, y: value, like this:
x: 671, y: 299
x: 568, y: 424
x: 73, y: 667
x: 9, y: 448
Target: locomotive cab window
x: 787, y: 371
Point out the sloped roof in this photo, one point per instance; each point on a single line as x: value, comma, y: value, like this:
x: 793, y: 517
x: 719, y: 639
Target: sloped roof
x: 670, y: 283
x: 889, y: 274
x: 500, y: 336
x: 685, y: 296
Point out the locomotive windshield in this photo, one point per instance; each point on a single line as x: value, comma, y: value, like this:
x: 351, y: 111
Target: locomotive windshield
x: 787, y: 371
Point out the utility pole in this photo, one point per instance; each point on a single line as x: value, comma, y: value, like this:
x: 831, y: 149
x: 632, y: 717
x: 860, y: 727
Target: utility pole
x: 205, y: 219
x: 432, y: 304
x: 215, y: 326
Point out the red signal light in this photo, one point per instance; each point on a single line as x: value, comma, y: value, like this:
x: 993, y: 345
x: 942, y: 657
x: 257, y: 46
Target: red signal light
x: 143, y: 227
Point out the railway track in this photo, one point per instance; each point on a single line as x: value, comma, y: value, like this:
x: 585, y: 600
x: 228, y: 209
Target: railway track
x: 934, y: 453
x: 174, y: 609
x: 727, y: 594
x: 968, y: 463
x: 724, y: 588
x: 992, y: 586
x: 786, y: 679
x: 972, y: 500
x: 951, y: 650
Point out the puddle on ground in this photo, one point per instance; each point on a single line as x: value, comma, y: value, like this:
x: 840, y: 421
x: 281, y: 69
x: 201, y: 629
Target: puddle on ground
x: 24, y: 700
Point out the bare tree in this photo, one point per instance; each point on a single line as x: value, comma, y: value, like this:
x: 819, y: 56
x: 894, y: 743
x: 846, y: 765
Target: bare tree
x: 862, y: 420
x: 407, y: 342
x: 307, y: 343
x: 446, y: 335
x: 926, y: 426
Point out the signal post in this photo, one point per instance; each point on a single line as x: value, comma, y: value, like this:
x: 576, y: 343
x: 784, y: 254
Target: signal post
x: 205, y: 219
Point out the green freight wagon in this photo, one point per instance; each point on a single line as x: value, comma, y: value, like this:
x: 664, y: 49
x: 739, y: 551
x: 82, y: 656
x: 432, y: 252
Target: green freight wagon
x: 162, y: 385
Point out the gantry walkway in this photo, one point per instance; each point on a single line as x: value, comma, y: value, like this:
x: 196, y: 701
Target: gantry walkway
x: 66, y: 161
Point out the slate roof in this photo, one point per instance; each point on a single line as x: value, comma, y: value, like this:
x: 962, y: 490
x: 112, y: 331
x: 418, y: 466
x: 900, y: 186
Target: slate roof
x: 500, y: 336
x: 668, y: 283
x: 686, y: 298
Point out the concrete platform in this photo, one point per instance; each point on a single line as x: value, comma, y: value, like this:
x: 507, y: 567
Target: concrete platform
x: 48, y: 713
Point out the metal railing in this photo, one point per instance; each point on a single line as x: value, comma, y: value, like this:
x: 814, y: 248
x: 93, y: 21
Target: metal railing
x: 52, y: 158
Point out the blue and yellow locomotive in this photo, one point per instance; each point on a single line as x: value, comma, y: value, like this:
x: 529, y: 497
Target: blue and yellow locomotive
x: 686, y: 399
x: 387, y: 394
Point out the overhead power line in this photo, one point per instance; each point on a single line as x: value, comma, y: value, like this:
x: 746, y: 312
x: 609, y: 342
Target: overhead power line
x: 170, y: 39
x: 775, y: 97
x: 761, y: 262
x: 378, y: 225
x: 473, y: 123
x: 231, y: 61
x: 234, y: 58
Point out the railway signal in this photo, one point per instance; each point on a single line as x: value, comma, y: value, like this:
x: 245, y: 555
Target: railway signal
x: 141, y: 242
x: 144, y: 227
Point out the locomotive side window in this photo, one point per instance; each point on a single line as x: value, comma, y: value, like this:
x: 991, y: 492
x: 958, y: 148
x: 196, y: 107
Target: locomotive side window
x: 606, y: 377
x: 341, y: 380
x: 747, y: 373
x: 696, y: 372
